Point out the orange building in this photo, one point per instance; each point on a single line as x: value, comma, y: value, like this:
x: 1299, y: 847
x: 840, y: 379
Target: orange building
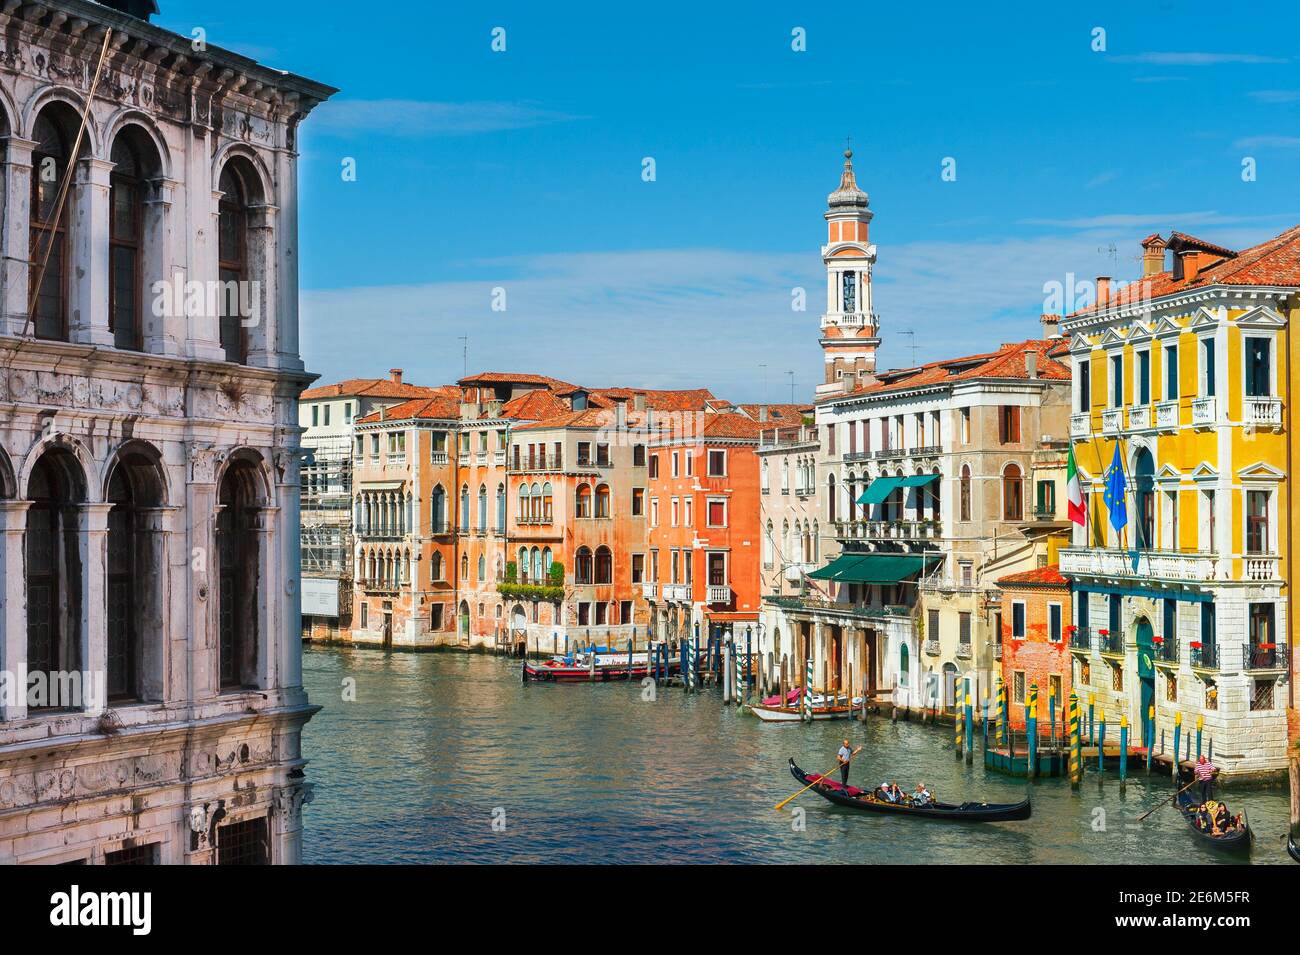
x: 704, y: 536
x: 1035, y: 640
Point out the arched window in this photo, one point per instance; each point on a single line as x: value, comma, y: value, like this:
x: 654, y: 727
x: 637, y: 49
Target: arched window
x: 1144, y: 473
x: 237, y: 556
x: 501, y: 508
x: 232, y: 264
x: 482, y: 568
x: 48, y: 243
x: 55, y: 588
x: 807, y: 545
x: 438, y: 511
x: 934, y: 488
x: 125, y: 216
x: 602, y: 500
x: 521, y: 565
x: 546, y: 563
x: 133, y: 654
x: 537, y: 565
x: 816, y: 547
x: 582, y: 568
x: 535, y: 503
x: 546, y: 503
x: 435, y: 567
x: 769, y: 548
x: 523, y: 503
x: 604, y: 566
x: 582, y: 507
x: 464, y: 567
x: 482, y: 508
x: 1013, y: 504
x: 964, y: 505
x: 830, y: 497
x: 464, y: 508
x: 902, y: 664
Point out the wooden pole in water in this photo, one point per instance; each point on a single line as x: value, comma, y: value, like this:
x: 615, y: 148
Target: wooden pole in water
x: 1002, y: 705
x: 984, y: 723
x: 970, y: 726
x: 1076, y: 743
x: 1051, y: 710
x: 958, y: 735
x: 1031, y: 730
x: 1092, y: 723
x: 1178, y: 733
x: 1123, y: 749
x: 805, y: 698
x: 1151, y: 734
x: 726, y: 673
x: 749, y: 659
x: 1200, y: 725
x: 739, y: 686
x: 1101, y: 742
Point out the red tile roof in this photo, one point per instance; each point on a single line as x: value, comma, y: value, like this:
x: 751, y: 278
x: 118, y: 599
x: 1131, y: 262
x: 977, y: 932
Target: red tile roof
x: 1007, y: 362
x: 370, y: 388
x: 780, y: 414
x: 440, y: 407
x: 1274, y: 262
x: 510, y: 377
x: 680, y: 399
x: 1049, y: 576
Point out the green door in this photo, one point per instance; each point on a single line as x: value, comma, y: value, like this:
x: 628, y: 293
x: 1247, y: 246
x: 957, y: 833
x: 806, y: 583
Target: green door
x: 1146, y: 673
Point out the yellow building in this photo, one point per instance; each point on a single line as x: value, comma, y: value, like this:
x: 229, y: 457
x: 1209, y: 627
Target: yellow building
x: 1183, y: 610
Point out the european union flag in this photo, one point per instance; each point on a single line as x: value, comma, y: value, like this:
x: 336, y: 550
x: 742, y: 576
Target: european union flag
x: 1113, y: 496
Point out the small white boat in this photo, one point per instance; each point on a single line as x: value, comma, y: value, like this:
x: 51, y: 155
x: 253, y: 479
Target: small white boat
x: 794, y: 714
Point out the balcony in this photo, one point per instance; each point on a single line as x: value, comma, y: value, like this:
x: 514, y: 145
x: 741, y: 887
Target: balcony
x: 1167, y: 650
x: 499, y: 458
x: 648, y: 591
x: 1205, y: 656
x: 438, y: 528
x: 438, y: 458
x: 1164, y: 565
x: 1264, y: 656
x: 1080, y: 425
x: 1110, y: 641
x: 1167, y: 416
x: 1262, y: 412
x: 857, y: 456
x: 1112, y: 421
x: 719, y: 594
x: 1205, y: 412
x: 997, y: 651
x: 1081, y: 639
x: 1139, y: 418
x: 889, y: 530
x: 1261, y: 567
x: 888, y: 454
x: 927, y: 451
x: 932, y: 648
x: 964, y: 651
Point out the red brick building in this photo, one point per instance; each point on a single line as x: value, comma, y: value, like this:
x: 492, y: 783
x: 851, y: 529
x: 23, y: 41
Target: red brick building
x: 1035, y: 640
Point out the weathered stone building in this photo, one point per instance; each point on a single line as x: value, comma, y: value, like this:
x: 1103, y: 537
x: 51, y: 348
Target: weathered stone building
x: 149, y: 546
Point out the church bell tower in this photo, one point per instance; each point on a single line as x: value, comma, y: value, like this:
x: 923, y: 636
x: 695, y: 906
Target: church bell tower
x: 849, y: 327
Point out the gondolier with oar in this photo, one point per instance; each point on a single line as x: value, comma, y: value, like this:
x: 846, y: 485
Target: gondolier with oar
x: 844, y: 755
x: 1205, y: 772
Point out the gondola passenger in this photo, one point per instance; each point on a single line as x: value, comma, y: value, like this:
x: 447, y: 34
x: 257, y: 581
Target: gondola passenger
x: 921, y: 796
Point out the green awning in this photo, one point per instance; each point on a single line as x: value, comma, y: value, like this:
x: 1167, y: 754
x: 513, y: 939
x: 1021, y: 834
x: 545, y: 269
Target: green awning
x: 879, y: 489
x: 919, y: 480
x: 879, y: 568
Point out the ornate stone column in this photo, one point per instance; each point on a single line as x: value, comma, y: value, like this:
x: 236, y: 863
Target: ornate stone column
x: 88, y: 271
x: 16, y: 235
x: 164, y: 329
x: 13, y: 608
x: 93, y: 542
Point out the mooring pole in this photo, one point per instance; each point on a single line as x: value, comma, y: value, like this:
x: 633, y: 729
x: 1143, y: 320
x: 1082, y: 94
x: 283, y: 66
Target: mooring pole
x: 1092, y: 722
x: 1002, y: 707
x: 1031, y: 731
x: 1151, y: 734
x: 1076, y: 744
x: 970, y: 726
x: 1178, y: 734
x: 806, y: 696
x: 1200, y: 725
x: 1123, y: 749
x: 1101, y: 742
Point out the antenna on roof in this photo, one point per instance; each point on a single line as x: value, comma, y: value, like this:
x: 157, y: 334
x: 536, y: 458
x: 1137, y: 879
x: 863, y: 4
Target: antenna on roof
x: 908, y: 331
x: 464, y: 356
x: 1110, y: 250
x: 791, y: 374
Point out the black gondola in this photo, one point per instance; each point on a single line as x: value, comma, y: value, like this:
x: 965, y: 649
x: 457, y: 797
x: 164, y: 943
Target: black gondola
x: 1292, y: 848
x: 854, y: 798
x: 1238, y: 840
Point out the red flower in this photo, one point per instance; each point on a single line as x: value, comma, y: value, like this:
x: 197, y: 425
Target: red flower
x: 1104, y: 633
x: 1195, y: 644
x: 1267, y: 646
x: 1071, y: 629
x: 1157, y: 640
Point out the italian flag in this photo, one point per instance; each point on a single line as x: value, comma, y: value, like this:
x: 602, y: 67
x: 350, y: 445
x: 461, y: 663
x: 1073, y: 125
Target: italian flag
x: 1074, y: 493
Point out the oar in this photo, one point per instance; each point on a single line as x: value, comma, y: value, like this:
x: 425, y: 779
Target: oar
x: 781, y: 804
x: 1165, y: 802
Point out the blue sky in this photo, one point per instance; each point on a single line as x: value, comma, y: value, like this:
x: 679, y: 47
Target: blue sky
x: 522, y: 170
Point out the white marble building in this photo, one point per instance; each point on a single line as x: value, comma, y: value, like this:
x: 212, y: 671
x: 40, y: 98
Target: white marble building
x: 148, y: 448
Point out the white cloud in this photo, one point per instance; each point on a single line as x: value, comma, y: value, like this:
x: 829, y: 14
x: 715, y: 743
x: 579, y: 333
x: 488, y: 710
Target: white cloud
x: 401, y: 117
x: 1276, y: 96
x: 1197, y: 59
x: 1267, y: 142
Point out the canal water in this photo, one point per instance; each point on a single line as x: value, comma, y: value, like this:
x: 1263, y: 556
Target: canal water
x: 444, y: 757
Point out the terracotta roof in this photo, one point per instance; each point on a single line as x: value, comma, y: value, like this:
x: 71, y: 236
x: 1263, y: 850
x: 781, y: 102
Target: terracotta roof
x: 438, y: 407
x: 732, y: 426
x: 1274, y: 262
x: 1007, y: 362
x: 781, y: 414
x: 1049, y: 576
x: 534, y: 406
x: 370, y: 388
x: 508, y: 377
x: 679, y: 399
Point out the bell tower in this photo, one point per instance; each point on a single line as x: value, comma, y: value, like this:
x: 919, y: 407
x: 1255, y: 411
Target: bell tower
x: 849, y: 327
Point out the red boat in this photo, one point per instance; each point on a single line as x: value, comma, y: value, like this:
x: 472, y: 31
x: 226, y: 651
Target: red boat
x: 592, y: 668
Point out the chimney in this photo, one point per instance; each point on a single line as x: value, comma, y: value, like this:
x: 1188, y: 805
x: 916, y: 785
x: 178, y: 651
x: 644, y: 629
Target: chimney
x: 383, y: 412
x: 1031, y: 364
x: 1103, y: 289
x: 1051, y: 326
x: 620, y: 415
x: 1191, y: 260
x: 762, y: 412
x: 396, y: 375
x: 1153, y: 255
x: 638, y: 401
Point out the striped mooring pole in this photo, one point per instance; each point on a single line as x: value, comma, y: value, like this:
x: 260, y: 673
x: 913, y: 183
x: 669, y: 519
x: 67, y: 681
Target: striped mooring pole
x: 1076, y: 743
x: 1151, y: 734
x: 1123, y: 748
x: 738, y: 688
x: 1031, y: 730
x: 1051, y: 711
x: 1200, y: 725
x: 957, y: 734
x: 805, y: 698
x: 1092, y: 723
x: 1002, y: 707
x: 970, y: 726
x: 1178, y: 738
x: 1101, y: 740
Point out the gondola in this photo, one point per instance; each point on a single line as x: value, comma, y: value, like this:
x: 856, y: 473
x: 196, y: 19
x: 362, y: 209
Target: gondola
x: 1237, y: 841
x: 833, y: 791
x: 1292, y: 848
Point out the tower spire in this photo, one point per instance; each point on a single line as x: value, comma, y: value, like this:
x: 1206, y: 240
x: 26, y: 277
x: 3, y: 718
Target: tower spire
x: 849, y: 325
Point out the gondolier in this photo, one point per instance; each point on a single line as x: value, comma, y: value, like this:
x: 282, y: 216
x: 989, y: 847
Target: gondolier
x: 1205, y: 772
x: 844, y: 755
